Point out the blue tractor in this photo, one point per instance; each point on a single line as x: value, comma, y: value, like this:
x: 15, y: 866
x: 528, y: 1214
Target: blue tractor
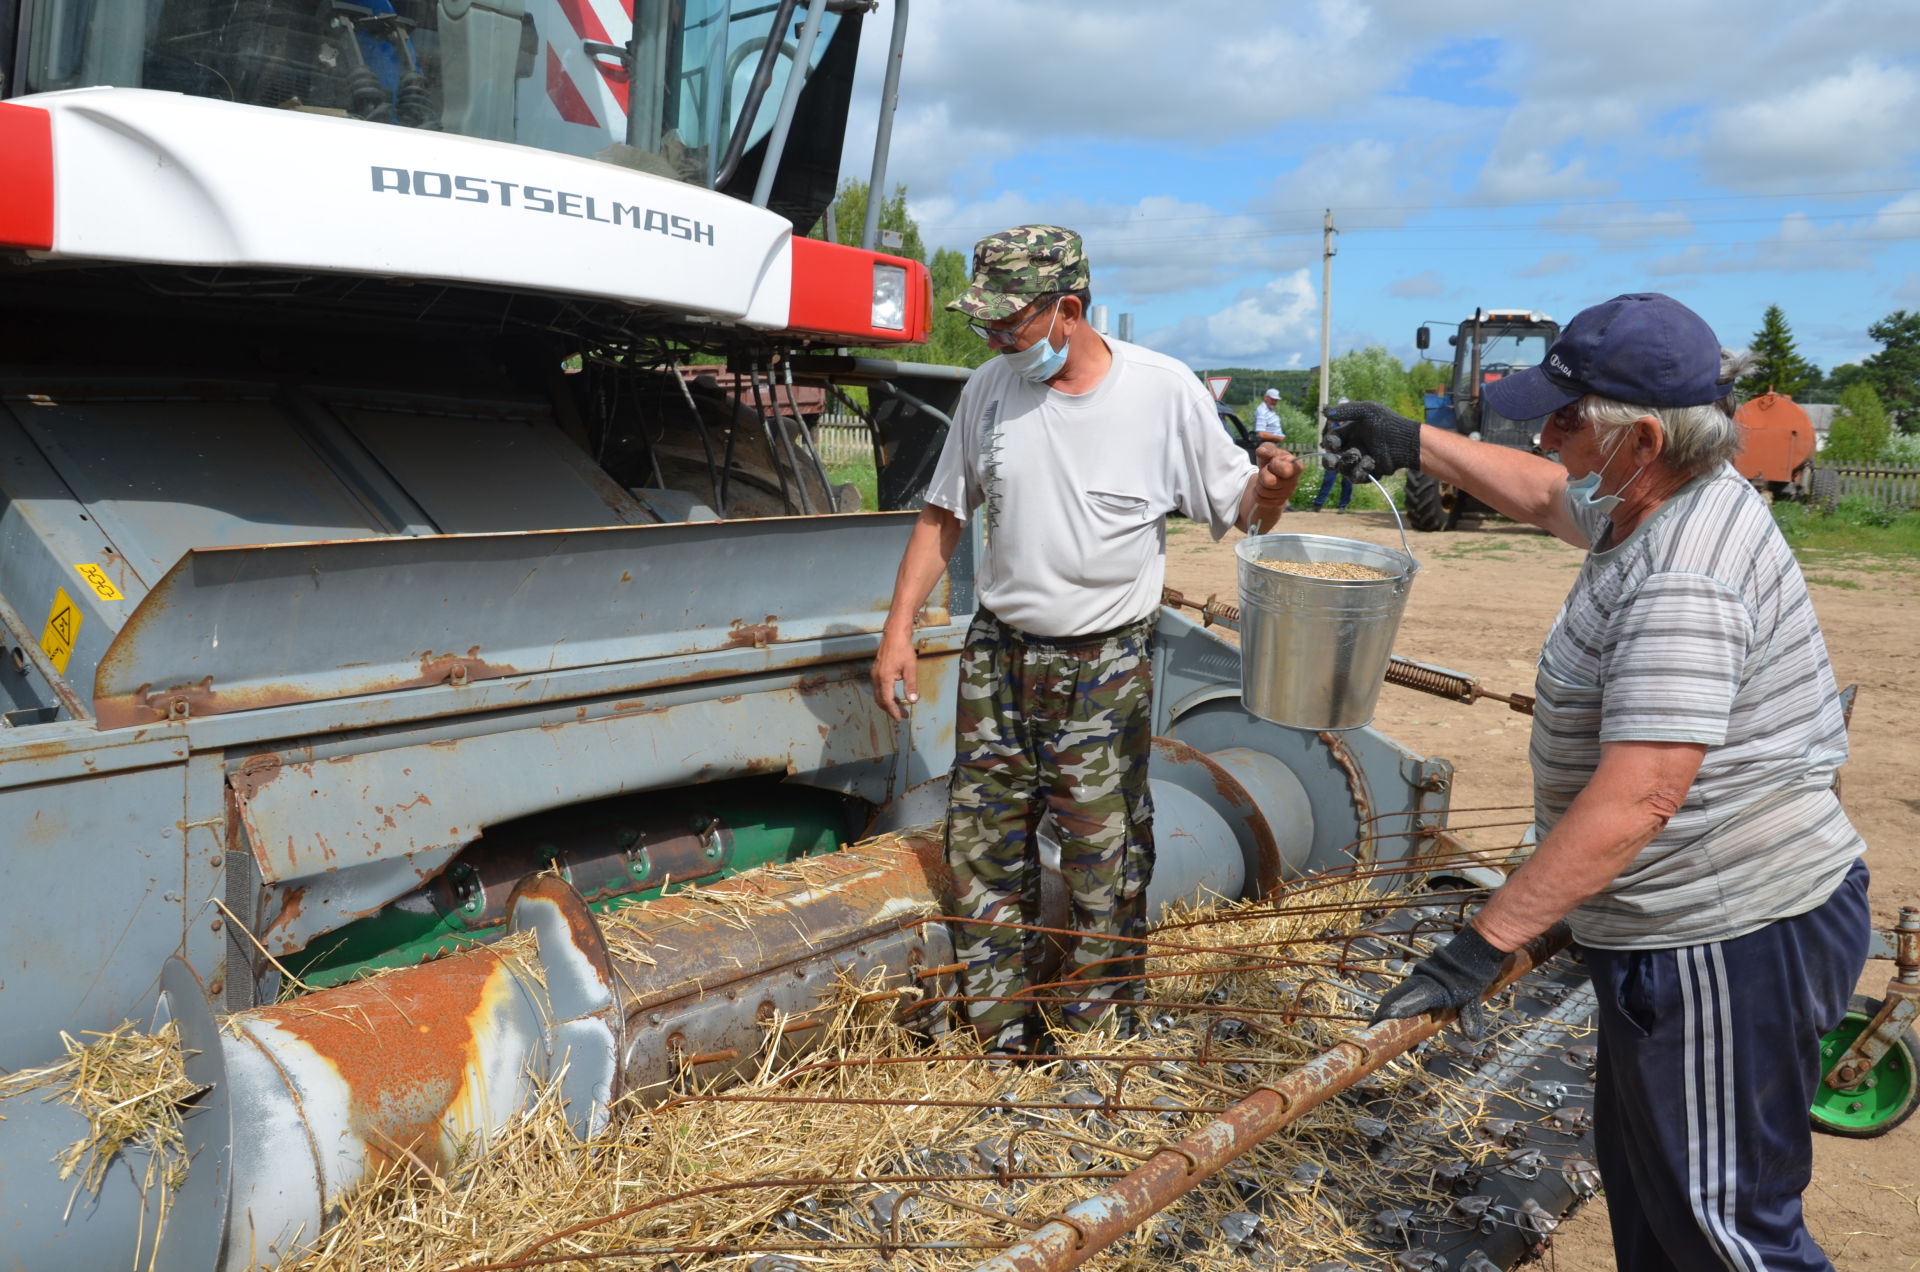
x: 1490, y: 344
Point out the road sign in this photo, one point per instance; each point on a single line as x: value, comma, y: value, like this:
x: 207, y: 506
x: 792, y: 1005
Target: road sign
x: 1219, y: 383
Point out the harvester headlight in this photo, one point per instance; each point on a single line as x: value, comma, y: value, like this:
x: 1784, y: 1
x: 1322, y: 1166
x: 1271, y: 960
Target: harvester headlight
x: 890, y: 297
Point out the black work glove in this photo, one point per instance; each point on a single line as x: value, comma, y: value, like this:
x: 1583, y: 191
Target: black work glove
x: 1367, y: 438
x: 1455, y: 975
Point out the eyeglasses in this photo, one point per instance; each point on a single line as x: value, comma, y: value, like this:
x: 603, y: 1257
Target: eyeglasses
x: 1004, y: 337
x: 1567, y: 419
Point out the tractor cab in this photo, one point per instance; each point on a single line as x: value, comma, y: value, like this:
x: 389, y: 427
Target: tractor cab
x: 1491, y: 344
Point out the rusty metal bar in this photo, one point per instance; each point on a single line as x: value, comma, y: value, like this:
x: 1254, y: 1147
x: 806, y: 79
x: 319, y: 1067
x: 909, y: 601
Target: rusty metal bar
x: 1088, y: 1226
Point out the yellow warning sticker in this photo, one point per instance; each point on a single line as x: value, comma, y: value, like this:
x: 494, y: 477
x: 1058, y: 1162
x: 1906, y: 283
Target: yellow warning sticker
x: 97, y: 580
x: 63, y: 625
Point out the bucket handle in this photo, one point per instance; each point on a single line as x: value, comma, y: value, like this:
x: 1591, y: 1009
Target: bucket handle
x: 1391, y: 506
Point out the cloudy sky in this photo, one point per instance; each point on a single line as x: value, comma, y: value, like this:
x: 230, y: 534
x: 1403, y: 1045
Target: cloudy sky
x: 1733, y: 153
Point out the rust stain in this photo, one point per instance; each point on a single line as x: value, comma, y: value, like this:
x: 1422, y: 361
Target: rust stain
x: 292, y: 901
x: 744, y: 635
x: 145, y: 705
x: 626, y: 576
x: 256, y: 773
x: 405, y: 1047
x: 808, y: 686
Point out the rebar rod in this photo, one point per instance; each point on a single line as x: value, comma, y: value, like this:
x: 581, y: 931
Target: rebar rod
x: 1088, y: 1226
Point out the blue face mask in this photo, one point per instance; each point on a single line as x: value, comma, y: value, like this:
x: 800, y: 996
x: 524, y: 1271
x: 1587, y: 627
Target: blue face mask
x: 1581, y: 489
x: 1039, y: 361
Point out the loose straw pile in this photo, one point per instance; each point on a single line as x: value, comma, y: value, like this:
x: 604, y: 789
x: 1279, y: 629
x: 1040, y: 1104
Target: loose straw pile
x: 131, y: 1087
x: 881, y: 1138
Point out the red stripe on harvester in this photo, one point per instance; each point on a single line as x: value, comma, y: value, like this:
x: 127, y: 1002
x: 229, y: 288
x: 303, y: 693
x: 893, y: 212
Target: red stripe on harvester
x: 26, y: 193
x: 587, y: 25
x: 565, y: 97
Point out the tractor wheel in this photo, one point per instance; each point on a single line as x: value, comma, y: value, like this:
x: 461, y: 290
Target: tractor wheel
x: 1427, y: 503
x: 1885, y: 1098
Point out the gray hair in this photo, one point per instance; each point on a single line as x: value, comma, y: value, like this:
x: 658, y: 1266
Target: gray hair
x: 1699, y: 438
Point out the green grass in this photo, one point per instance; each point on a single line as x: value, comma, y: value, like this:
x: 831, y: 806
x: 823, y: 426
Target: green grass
x: 1366, y: 498
x: 861, y: 475
x: 1854, y: 528
x: 1829, y: 580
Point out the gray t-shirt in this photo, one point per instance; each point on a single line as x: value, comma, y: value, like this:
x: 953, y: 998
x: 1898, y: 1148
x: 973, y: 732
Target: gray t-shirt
x: 1698, y: 628
x: 1077, y: 487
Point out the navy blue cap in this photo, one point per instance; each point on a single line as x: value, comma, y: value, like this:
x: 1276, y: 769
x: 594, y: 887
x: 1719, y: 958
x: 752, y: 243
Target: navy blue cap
x: 1644, y: 349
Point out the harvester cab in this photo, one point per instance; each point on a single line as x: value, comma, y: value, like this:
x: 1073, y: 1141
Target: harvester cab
x: 1491, y: 344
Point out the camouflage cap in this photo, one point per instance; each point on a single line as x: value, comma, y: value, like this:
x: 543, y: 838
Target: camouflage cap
x: 1015, y: 267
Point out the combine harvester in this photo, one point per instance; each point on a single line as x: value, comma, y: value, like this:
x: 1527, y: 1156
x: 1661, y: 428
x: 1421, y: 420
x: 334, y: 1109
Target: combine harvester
x: 375, y: 585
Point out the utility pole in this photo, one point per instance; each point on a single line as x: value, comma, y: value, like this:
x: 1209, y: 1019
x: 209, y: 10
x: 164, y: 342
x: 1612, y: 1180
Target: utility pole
x: 1326, y: 305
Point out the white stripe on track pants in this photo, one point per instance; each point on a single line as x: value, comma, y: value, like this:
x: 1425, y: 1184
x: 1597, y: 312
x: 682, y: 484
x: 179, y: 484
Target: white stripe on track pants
x: 1709, y: 1055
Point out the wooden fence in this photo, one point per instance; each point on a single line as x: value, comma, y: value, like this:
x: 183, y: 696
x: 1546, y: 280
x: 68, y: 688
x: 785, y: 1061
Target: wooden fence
x: 1889, y: 485
x: 843, y: 439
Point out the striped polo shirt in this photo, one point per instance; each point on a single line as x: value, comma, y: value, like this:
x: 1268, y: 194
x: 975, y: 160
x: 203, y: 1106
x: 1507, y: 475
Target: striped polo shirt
x: 1698, y: 628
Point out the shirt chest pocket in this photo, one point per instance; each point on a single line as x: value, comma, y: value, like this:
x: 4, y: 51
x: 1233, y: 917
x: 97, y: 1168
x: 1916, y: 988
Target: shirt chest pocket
x: 1570, y: 700
x: 1118, y: 507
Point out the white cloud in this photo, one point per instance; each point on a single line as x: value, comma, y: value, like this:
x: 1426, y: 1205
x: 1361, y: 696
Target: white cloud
x: 1534, y: 176
x: 1897, y: 220
x: 1155, y: 245
x: 1799, y: 245
x: 1415, y: 286
x: 1266, y: 326
x: 1859, y: 119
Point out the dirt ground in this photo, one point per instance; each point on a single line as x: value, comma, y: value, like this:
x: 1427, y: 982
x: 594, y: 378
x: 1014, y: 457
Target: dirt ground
x: 1484, y: 599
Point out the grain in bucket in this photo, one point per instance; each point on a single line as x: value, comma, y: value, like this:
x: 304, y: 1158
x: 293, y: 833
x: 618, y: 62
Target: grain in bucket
x: 1317, y: 620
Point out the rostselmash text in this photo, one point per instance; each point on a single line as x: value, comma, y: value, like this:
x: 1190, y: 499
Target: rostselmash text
x: 511, y: 194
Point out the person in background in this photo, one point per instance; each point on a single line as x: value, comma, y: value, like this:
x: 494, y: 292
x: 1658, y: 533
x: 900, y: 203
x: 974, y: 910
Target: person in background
x: 1685, y: 739
x: 1266, y: 420
x: 1077, y: 446
x: 1327, y: 479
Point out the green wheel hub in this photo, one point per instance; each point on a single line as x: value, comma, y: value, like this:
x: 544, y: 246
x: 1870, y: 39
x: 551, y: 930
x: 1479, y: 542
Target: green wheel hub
x: 1883, y: 1099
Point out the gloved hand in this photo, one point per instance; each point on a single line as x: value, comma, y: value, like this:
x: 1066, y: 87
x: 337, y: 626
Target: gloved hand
x: 1455, y: 975
x: 1370, y: 439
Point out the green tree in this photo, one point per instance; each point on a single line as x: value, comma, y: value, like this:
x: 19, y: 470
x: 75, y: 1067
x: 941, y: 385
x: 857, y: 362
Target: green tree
x: 1373, y: 375
x: 1778, y: 366
x: 1860, y: 428
x: 952, y: 343
x: 850, y: 218
x: 1894, y: 372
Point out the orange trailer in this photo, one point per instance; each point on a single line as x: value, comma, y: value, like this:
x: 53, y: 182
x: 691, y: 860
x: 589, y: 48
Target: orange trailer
x: 1777, y: 451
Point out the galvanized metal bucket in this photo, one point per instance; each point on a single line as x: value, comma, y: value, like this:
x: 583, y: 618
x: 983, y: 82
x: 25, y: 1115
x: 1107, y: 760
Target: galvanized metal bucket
x: 1314, y: 651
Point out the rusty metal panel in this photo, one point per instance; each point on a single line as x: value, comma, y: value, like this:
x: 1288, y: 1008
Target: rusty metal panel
x: 312, y: 818
x: 234, y: 629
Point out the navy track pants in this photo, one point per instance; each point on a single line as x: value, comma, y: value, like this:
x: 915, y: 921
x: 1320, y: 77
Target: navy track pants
x: 1709, y: 1057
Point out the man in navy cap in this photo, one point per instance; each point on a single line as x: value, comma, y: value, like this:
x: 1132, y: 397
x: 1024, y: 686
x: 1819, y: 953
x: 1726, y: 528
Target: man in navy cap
x: 1684, y: 744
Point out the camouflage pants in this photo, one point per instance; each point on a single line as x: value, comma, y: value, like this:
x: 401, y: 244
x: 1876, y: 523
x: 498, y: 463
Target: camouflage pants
x: 1062, y: 728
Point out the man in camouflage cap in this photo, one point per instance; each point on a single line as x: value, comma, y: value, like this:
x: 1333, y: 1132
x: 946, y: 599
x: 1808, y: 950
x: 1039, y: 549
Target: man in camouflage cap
x: 1074, y: 447
x: 1015, y: 268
